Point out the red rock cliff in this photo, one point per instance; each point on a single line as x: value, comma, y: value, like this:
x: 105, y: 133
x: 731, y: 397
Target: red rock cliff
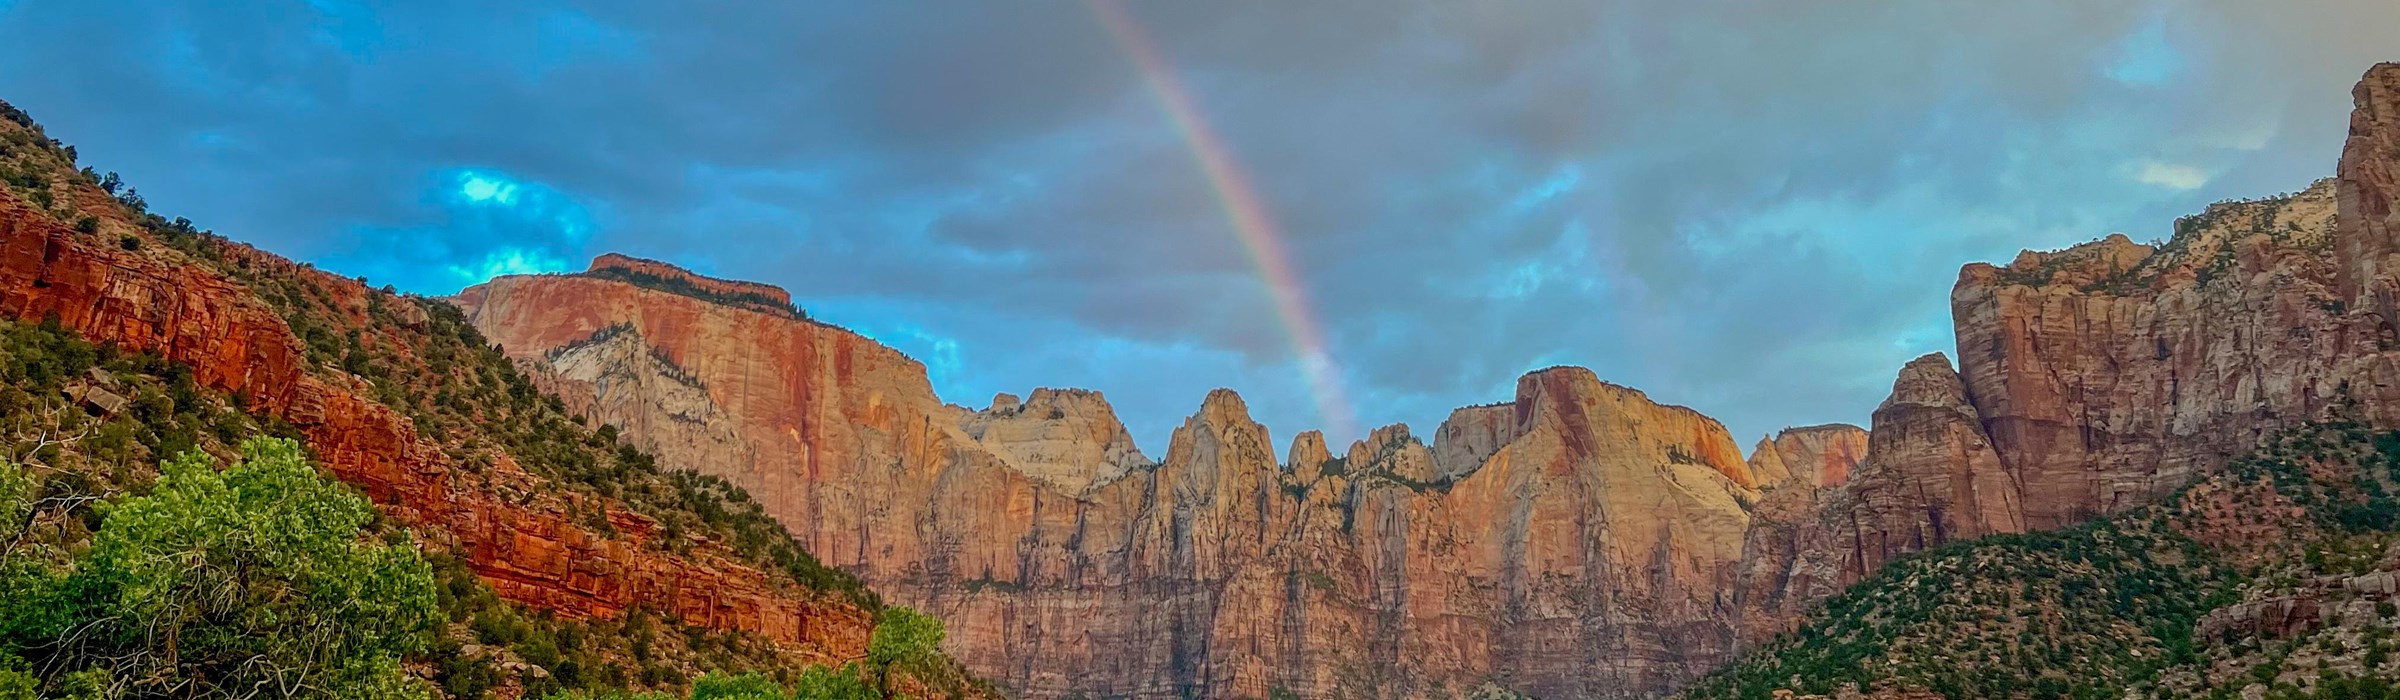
x: 531, y: 553
x: 1573, y: 543
x: 2104, y: 376
x: 1580, y: 541
x: 614, y: 262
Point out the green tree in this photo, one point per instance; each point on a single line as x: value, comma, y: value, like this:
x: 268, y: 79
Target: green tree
x: 821, y: 683
x: 16, y: 510
x: 607, y: 695
x: 746, y: 686
x: 903, y: 637
x: 252, y: 581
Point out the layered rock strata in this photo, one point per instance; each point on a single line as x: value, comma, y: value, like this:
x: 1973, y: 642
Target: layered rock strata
x: 1573, y: 543
x: 530, y: 551
x: 1579, y: 541
x: 2104, y: 376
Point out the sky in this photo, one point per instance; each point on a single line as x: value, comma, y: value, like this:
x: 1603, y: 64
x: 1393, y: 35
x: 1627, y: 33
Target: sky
x: 1354, y: 213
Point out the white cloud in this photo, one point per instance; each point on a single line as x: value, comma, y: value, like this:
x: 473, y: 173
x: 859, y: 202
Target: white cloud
x: 508, y: 261
x: 2174, y: 176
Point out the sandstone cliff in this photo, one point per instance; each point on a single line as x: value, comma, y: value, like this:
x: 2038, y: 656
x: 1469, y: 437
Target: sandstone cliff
x: 1789, y: 555
x: 529, y: 549
x: 1573, y: 543
x: 1580, y: 541
x: 2104, y: 376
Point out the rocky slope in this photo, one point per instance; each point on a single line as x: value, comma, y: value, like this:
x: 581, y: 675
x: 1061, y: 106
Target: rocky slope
x: 2104, y: 377
x: 533, y: 555
x: 395, y: 396
x: 1580, y: 541
x: 2272, y: 578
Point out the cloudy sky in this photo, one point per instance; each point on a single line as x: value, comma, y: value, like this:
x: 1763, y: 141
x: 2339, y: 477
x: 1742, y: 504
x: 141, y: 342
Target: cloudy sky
x: 1755, y: 208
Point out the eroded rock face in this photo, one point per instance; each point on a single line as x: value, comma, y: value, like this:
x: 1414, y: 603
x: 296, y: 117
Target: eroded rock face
x: 1789, y: 558
x: 616, y: 367
x: 531, y: 553
x: 2101, y: 377
x: 1817, y: 456
x: 1930, y: 476
x: 2368, y: 189
x: 1579, y: 541
x: 1576, y: 542
x: 765, y: 298
x: 2102, y: 395
x: 2108, y: 374
x: 1068, y: 437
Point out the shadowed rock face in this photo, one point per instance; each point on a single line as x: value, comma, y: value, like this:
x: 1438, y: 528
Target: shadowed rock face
x: 1930, y: 475
x: 2104, y: 376
x: 1578, y: 541
x: 1788, y: 555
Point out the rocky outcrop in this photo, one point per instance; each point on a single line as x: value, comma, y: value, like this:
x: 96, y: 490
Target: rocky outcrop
x: 615, y: 262
x: 1068, y: 437
x: 2367, y: 186
x: 2103, y: 376
x: 615, y: 367
x: 2102, y: 388
x: 1819, y: 456
x: 764, y: 298
x: 1788, y: 555
x: 1930, y: 475
x: 529, y: 550
x: 2110, y: 373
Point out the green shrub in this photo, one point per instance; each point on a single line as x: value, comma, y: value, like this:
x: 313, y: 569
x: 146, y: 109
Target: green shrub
x: 219, y: 583
x: 903, y: 638
x: 821, y: 683
x: 745, y: 686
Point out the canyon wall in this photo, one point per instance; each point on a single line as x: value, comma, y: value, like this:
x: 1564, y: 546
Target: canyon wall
x: 1580, y: 541
x: 1572, y: 543
x: 2104, y: 376
x: 114, y: 287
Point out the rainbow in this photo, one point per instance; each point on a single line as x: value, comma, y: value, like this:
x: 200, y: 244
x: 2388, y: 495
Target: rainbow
x: 1251, y: 223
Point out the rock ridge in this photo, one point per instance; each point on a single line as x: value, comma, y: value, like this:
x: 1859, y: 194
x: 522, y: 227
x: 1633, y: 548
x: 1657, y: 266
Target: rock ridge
x: 1577, y: 541
x: 529, y: 554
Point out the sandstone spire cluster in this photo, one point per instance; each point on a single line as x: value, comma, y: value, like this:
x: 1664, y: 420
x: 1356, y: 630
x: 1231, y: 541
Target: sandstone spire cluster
x: 1578, y: 541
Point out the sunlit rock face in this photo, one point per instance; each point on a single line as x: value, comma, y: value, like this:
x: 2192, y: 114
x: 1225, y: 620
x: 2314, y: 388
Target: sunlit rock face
x: 529, y: 548
x: 1579, y: 541
x: 1069, y: 438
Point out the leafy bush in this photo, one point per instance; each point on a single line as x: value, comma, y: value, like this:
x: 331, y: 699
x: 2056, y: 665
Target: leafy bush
x: 218, y: 584
x: 814, y: 683
x: 746, y: 686
x: 903, y: 638
x: 821, y: 683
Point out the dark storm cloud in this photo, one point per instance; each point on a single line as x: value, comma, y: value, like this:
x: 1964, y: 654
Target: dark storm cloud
x: 1755, y: 208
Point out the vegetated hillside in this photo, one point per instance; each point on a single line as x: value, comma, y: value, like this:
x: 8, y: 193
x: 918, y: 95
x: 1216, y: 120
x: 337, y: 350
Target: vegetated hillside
x: 564, y: 558
x: 2277, y: 574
